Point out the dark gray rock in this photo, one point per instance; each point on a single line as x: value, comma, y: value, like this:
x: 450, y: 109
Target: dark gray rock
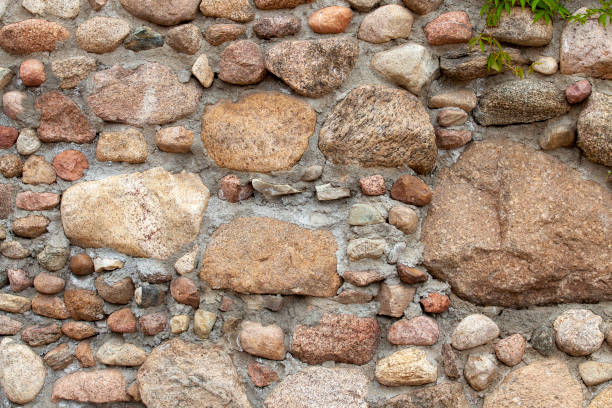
x: 144, y: 38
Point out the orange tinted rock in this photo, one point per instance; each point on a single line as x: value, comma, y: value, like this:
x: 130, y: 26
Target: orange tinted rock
x: 122, y: 321
x: 362, y: 278
x: 435, y: 303
x: 242, y: 63
x: 231, y: 190
x: 40, y: 335
x: 394, y: 299
x: 60, y: 357
x: 411, y: 190
x: 419, y: 331
x: 81, y: 265
x: 36, y: 170
x: 99, y: 387
x: 263, y: 341
x: 69, y: 165
x: 31, y: 226
x: 120, y: 293
x: 217, y: 34
x: 32, y: 72
x: 330, y: 20
x: 174, y: 139
x: 78, y: 330
x: 262, y: 376
x: 410, y: 275
x: 449, y: 28
x: 85, y: 355
x: 84, y: 304
x: 373, y: 185
x: 50, y: 306
x: 62, y: 120
x: 448, y: 139
x: 8, y: 137
x: 33, y: 35
x: 32, y: 201
x: 152, y: 324
x: 10, y: 165
x: 185, y: 291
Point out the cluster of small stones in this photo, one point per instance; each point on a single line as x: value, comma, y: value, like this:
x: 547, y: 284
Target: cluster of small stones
x: 302, y: 203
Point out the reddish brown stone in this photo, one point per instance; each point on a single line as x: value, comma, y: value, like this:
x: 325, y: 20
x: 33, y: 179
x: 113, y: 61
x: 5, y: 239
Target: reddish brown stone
x: 231, y: 190
x: 19, y: 280
x: 10, y: 165
x: 40, y: 335
x: 373, y: 185
x: 362, y: 278
x: 277, y: 26
x: 510, y: 350
x: 394, y: 299
x: 217, y: 34
x: 99, y: 386
x: 119, y: 293
x: 174, y: 139
x: 85, y: 355
x: 578, y: 91
x: 81, y: 265
x: 31, y: 201
x: 32, y: 35
x: 32, y: 72
x: 410, y: 275
x: 262, y: 376
x: 152, y: 324
x: 30, y: 227
x: 61, y: 120
x: 84, y: 304
x: 122, y: 321
x: 448, y: 139
x: 8, y: 326
x: 185, y: 291
x: 50, y: 306
x: 78, y: 330
x: 69, y: 165
x: 8, y: 137
x: 435, y: 303
x: 48, y: 284
x: 450, y: 362
x: 419, y: 331
x: 242, y: 63
x: 349, y: 296
x: 226, y: 304
x: 341, y: 338
x: 330, y: 20
x: 60, y: 357
x: 411, y: 190
x: 449, y: 28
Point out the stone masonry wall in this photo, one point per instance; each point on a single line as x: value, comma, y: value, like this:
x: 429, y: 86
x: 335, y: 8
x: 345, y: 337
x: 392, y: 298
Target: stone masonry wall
x: 293, y: 203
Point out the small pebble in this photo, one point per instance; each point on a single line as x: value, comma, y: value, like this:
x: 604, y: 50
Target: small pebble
x: 452, y: 117
x: 149, y: 296
x: 578, y: 91
x: 473, y: 331
x: 27, y: 142
x: 70, y: 165
x: 186, y: 38
x: 262, y: 341
x: 330, y: 20
x: 217, y: 34
x: 107, y: 264
x: 418, y: 331
x: 100, y: 35
x: 186, y: 264
x: 242, y: 63
x: 594, y: 372
x: 545, y: 65
x: 36, y: 170
x: 13, y: 103
x: 185, y: 291
x: 410, y: 275
x: 81, y: 265
x: 8, y: 136
x: 203, y: 323
x: 122, y: 321
x: 10, y: 165
x: 479, y: 371
x: 84, y: 354
x: 373, y: 185
x: 327, y: 192
x: 277, y: 26
x: 450, y: 362
x: 262, y: 376
x: 542, y: 340
x: 144, y: 38
x: 78, y: 330
x: 231, y: 189
x: 411, y: 190
x: 53, y: 258
x: 32, y: 72
x: 435, y: 303
x: 179, y: 324
x: 362, y: 278
x: 202, y: 71
x: 312, y: 173
x: 404, y: 218
x: 31, y: 226
x: 174, y: 139
x: 364, y: 214
x: 18, y: 279
x: 153, y: 323
x: 60, y: 357
x: 510, y: 350
x: 394, y: 299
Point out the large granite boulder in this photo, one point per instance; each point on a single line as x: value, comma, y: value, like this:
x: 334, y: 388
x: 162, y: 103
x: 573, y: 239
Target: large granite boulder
x: 514, y: 227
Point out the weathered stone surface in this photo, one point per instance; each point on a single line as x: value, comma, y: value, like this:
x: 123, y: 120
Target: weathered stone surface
x: 6, y: 75
x: 330, y: 20
x: 373, y: 185
x: 450, y: 362
x: 144, y: 38
x: 57, y: 8
x: 363, y: 5
x: 315, y: 387
x: 578, y: 91
x: 22, y: 372
x: 479, y: 371
x: 36, y: 170
x: 61, y: 120
x: 70, y: 165
x: 150, y: 94
x: 174, y: 139
x: 394, y: 299
x: 32, y: 35
x: 231, y: 190
x: 279, y: 4
x: 127, y: 146
x: 313, y: 68
x: 50, y: 306
x: 242, y: 63
x: 78, y: 330
x: 31, y: 226
x: 121, y: 292
x: 379, y: 126
x: 27, y: 142
x: 14, y: 104
x: 510, y: 350
x: 40, y: 335
x: 363, y: 248
x: 603, y: 399
x: 341, y: 338
x: 404, y: 218
x: 418, y: 331
x: 84, y: 304
x: 546, y: 383
x: 473, y: 331
x: 553, y: 227
x: 217, y: 34
x: 14, y: 250
x: 117, y: 353
x: 60, y: 357
x: 444, y: 395
x: 327, y: 192
x: 577, y: 332
x: 179, y: 324
x: 8, y: 326
x: 475, y: 65
x: 586, y: 48
x: 261, y: 132
x: 10, y: 166
x: 53, y: 258
x: 153, y: 323
x: 149, y: 214
x: 518, y: 28
x: 451, y: 117
x: 406, y: 367
x: 349, y: 296
x: 463, y: 99
x: 558, y: 134
x: 241, y: 254
x: 202, y: 71
x: 364, y: 214
x: 18, y: 279
x: 435, y: 303
x: 107, y: 264
x: 173, y: 364
x: 545, y: 65
x: 449, y: 28
x: 164, y: 12
x: 422, y: 6
x: 362, y: 278
x: 14, y: 304
x: 203, y: 323
x: 262, y: 341
x: 100, y: 35
x: 594, y: 129
x: 524, y: 101
x: 542, y: 340
x: 595, y: 373
x: 98, y: 387
x: 8, y: 137
x: 6, y: 202
x: 386, y: 23
x: 262, y: 376
x: 186, y: 38
x: 122, y: 321
x: 237, y: 10
x: 84, y: 354
x: 277, y: 26
x: 410, y: 66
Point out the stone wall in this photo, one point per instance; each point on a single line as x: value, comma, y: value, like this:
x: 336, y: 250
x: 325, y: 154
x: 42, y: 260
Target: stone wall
x: 197, y: 210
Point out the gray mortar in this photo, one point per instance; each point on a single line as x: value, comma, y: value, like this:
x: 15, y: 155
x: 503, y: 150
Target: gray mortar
x: 302, y: 209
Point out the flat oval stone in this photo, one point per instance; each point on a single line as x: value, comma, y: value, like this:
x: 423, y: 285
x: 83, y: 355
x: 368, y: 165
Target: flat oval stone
x: 518, y: 28
x: 279, y: 4
x: 22, y: 372
x: 98, y: 387
x: 473, y: 331
x: 262, y: 132
x: 163, y: 12
x: 242, y: 63
x: 330, y: 20
x: 102, y: 34
x: 449, y: 28
x: 386, y: 23
x: 33, y: 35
x: 277, y: 26
x: 262, y: 341
x: 236, y: 10
x: 577, y: 332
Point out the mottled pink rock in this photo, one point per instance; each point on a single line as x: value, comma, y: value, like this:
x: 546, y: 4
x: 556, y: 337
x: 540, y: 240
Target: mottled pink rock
x: 61, y: 120
x: 578, y: 91
x: 262, y: 376
x: 449, y: 28
x: 70, y: 165
x: 153, y: 323
x: 32, y: 72
x: 13, y: 103
x: 373, y: 185
x: 8, y: 137
x: 32, y: 35
x: 435, y: 303
x: 19, y: 280
x: 231, y: 190
x: 98, y: 387
x: 174, y: 139
x: 362, y: 278
x: 419, y: 331
x: 32, y: 201
x: 448, y: 139
x: 122, y: 321
x: 242, y: 63
x: 510, y: 350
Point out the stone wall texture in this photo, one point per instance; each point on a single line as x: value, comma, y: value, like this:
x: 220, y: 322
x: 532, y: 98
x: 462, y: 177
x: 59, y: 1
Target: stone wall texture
x: 302, y: 204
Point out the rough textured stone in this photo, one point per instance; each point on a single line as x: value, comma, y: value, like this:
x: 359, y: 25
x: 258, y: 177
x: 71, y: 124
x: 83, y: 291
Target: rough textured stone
x: 543, y: 384
x: 315, y: 387
x: 122, y: 321
x: 364, y: 214
x: 279, y: 4
x: 411, y: 190
x: 217, y: 34
x: 262, y: 376
x: 363, y: 5
x: 404, y: 218
x: 586, y: 49
x: 97, y: 5
x: 14, y: 250
x: 164, y: 12
x: 84, y: 304
x: 362, y: 278
x: 262, y: 132
x: 33, y: 35
x: 594, y: 128
x: 40, y: 335
x: 73, y: 70
x: 8, y: 137
x: 98, y: 387
x: 31, y: 226
x: 577, y: 332
x: 410, y: 275
x: 341, y: 338
x: 179, y: 324
x: 386, y: 23
x: 149, y: 296
x: 32, y: 72
x: 14, y: 304
x: 474, y: 66
x: 203, y: 323
x: 185, y: 291
x: 202, y: 71
x: 6, y: 75
x: 518, y: 28
x: 171, y: 217
x: 186, y: 38
x: 31, y: 201
x: 27, y: 142
x: 479, y: 371
x: 18, y: 279
x: 449, y: 28
x: 364, y: 248
x: 174, y: 139
x: 10, y: 166
x: 61, y: 120
x: 262, y: 341
x: 277, y: 26
x: 70, y: 165
x: 50, y: 306
x: 84, y: 354
x: 127, y: 146
x: 242, y: 63
x: 100, y: 35
x: 595, y: 373
x: 121, y: 292
x: 349, y: 296
x: 330, y: 20
x: 327, y: 192
x: 22, y: 372
x: 379, y: 126
x: 578, y: 91
x: 151, y: 94
x: 405, y: 367
x: 8, y: 326
x: 144, y: 38
x: 524, y: 101
x: 313, y: 68
x: 373, y: 185
x: 78, y: 330
x: 237, y: 10
x: 422, y: 6
x: 60, y: 357
x: 444, y: 395
x: 463, y: 99
x: 231, y: 190
x: 36, y: 170
x: 117, y: 353
x: 552, y: 228
x: 603, y: 399
x: 170, y: 366
x: 451, y: 117
x: 542, y: 340
x: 418, y: 331
x: 473, y: 331
x: 304, y: 261
x: 435, y: 303
x: 57, y: 8
x: 450, y: 362
x: 53, y: 258
x: 394, y: 299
